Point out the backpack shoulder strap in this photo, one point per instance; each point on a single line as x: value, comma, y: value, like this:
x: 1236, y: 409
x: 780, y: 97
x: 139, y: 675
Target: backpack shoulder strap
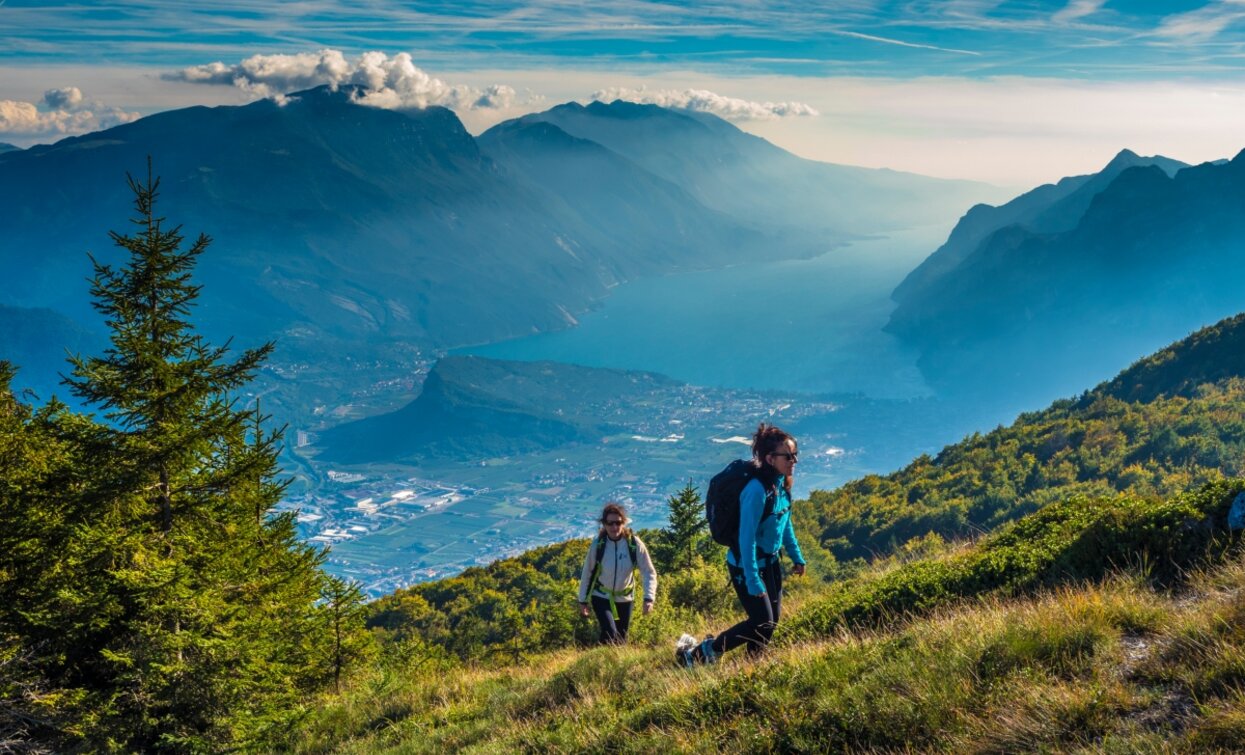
x: 771, y: 502
x: 596, y: 566
x: 632, y: 550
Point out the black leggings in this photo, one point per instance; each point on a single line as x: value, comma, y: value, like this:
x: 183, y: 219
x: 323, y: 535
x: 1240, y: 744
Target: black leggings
x: 763, y: 612
x: 612, y: 631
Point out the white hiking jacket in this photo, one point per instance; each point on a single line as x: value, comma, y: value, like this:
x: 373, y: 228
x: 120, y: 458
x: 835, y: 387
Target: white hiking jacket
x: 617, y: 570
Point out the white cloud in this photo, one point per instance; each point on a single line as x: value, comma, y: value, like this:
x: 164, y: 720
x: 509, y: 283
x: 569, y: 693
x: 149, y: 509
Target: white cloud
x: 386, y: 82
x: 1076, y: 10
x: 704, y: 101
x: 65, y: 112
x: 901, y: 43
x: 1203, y: 23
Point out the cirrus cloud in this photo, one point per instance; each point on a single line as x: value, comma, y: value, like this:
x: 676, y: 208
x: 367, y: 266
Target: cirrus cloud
x: 63, y: 112
x: 385, y: 82
x: 1203, y: 23
x: 704, y: 101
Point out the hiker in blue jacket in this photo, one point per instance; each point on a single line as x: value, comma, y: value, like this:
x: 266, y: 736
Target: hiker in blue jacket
x: 754, y: 567
x: 609, y: 575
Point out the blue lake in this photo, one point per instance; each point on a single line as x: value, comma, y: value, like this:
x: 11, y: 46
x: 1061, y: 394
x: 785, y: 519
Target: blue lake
x: 806, y: 325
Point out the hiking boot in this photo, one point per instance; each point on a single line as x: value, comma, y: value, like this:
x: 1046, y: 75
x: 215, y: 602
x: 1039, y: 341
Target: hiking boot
x: 707, y: 653
x: 683, y: 651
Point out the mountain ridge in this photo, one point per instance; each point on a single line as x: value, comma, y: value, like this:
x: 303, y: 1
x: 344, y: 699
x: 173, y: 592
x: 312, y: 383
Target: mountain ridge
x: 342, y: 228
x: 1149, y: 259
x: 1047, y: 209
x: 749, y: 178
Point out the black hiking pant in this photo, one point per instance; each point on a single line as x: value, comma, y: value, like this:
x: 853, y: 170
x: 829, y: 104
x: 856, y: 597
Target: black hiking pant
x: 763, y: 611
x: 612, y: 631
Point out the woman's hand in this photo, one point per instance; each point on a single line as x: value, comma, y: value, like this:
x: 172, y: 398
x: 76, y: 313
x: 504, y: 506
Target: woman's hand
x: 584, y: 610
x: 648, y: 607
x: 798, y: 570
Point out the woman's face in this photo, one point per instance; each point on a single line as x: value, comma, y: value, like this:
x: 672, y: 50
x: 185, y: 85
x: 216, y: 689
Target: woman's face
x: 784, y: 458
x: 613, y: 523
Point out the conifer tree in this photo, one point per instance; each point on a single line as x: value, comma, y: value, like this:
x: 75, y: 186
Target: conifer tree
x: 50, y: 596
x: 687, y: 524
x: 343, y: 610
x: 207, y: 625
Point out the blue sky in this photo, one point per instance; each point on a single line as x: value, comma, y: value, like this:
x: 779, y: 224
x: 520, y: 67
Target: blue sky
x: 1010, y: 92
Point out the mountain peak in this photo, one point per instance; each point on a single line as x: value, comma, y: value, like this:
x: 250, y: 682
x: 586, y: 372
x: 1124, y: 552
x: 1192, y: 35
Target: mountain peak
x: 624, y: 109
x: 327, y: 93
x: 1126, y: 157
x: 1129, y: 159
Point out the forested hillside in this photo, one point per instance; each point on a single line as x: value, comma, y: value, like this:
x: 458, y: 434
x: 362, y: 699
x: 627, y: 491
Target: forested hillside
x: 1170, y: 422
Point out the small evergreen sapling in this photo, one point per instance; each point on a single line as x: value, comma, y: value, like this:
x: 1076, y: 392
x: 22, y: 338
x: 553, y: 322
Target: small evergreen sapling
x: 687, y: 526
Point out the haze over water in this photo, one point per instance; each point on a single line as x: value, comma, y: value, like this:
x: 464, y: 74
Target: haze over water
x: 812, y: 325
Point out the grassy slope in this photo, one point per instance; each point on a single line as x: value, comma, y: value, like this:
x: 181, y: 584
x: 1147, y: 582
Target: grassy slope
x: 1037, y: 653
x: 1073, y: 626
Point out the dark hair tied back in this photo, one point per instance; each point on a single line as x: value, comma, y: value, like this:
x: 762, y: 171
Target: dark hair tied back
x: 767, y: 440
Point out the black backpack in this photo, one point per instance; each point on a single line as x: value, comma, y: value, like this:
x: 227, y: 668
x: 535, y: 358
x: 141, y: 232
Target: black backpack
x: 722, y: 502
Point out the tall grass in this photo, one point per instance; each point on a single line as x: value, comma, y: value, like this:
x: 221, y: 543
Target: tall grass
x: 1024, y: 641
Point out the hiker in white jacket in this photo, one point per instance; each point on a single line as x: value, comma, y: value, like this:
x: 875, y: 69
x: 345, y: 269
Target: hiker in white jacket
x: 609, y: 575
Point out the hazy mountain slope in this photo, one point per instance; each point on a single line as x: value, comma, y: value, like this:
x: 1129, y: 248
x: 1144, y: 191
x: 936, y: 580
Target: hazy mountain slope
x: 36, y: 341
x: 329, y: 215
x: 6, y: 147
x: 338, y: 221
x: 1050, y: 208
x: 753, y: 180
x: 492, y: 408
x: 610, y: 192
x: 1152, y: 258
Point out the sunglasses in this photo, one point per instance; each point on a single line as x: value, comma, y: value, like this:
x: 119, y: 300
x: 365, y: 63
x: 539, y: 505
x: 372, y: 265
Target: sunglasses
x: 784, y: 454
x: 613, y: 523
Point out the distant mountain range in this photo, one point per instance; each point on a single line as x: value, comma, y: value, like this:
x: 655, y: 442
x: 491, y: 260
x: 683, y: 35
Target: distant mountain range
x: 6, y: 147
x: 338, y: 226
x: 748, y: 178
x: 1067, y: 283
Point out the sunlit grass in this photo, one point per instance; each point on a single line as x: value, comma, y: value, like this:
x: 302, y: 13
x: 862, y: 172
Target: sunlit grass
x: 1118, y: 663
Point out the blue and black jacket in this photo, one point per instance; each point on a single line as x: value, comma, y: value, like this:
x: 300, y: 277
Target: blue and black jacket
x: 760, y: 539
